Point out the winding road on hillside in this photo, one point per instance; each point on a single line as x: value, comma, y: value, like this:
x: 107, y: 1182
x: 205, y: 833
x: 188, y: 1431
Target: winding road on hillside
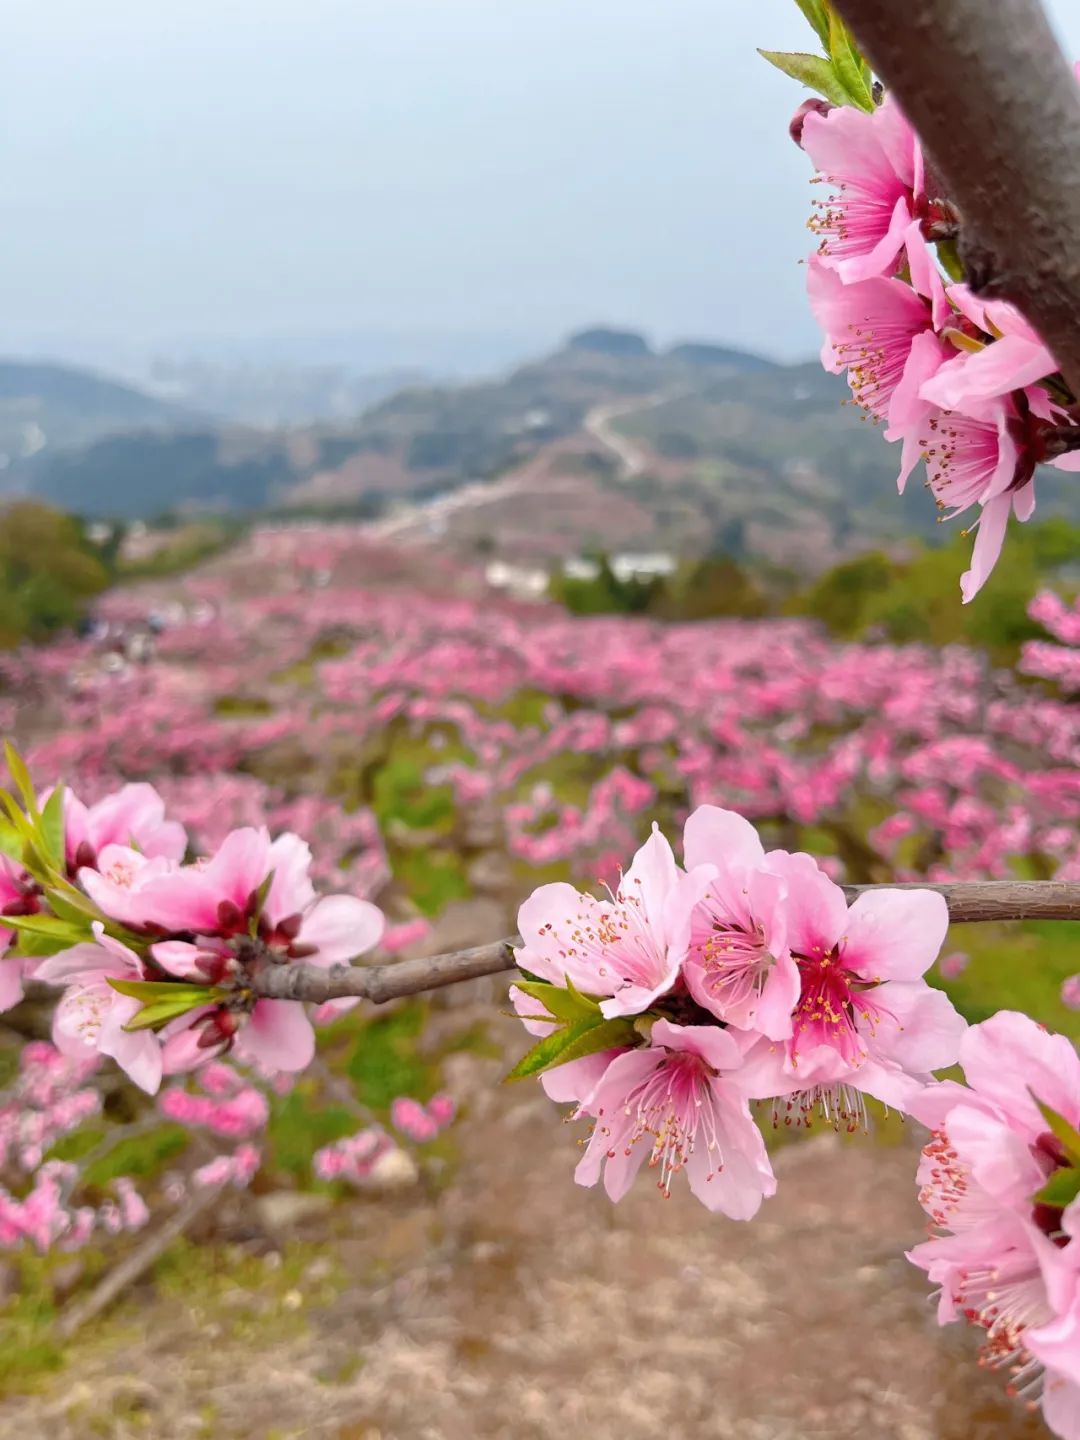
x: 598, y: 422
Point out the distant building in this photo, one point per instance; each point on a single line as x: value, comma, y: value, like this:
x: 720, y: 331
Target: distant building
x: 642, y: 567
x: 522, y: 581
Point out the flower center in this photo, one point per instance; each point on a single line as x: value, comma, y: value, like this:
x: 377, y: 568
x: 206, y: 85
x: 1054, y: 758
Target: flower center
x: 669, y: 1110
x: 736, y: 961
x: 832, y: 999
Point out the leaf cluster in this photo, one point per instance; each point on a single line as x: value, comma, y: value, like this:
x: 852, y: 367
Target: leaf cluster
x: 841, y: 74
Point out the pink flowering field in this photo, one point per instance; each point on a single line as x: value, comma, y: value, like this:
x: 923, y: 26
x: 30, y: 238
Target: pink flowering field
x: 446, y: 753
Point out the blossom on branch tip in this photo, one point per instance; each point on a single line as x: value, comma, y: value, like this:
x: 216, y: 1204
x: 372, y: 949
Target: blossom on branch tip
x: 1003, y: 1257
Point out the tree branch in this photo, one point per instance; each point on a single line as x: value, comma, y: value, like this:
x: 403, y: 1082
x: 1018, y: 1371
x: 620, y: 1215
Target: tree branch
x: 968, y: 901
x: 998, y: 111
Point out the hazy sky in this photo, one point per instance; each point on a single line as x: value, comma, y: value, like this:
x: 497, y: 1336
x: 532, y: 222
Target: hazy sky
x: 182, y: 175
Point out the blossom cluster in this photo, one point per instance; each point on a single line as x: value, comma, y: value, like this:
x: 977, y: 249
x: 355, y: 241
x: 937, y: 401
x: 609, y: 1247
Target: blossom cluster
x: 1000, y: 1182
x: 664, y: 1009
x: 744, y: 976
x: 964, y: 384
x: 196, y: 935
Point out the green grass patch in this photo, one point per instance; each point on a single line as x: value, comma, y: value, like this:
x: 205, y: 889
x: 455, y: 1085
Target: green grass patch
x: 1016, y: 967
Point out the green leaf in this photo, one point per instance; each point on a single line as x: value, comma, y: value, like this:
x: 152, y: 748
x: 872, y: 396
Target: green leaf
x: 849, y: 67
x: 573, y: 1042
x: 52, y: 827
x: 1060, y: 1190
x: 10, y: 844
x: 21, y: 776
x: 151, y: 990
x: 1061, y: 1128
x: 608, y: 1035
x: 567, y: 1005
x: 816, y: 11
x: 17, y: 820
x: 162, y: 1011
x: 259, y: 901
x: 49, y: 926
x: 809, y: 70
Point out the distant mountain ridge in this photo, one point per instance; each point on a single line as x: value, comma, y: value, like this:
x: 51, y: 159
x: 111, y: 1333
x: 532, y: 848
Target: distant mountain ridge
x: 606, y: 442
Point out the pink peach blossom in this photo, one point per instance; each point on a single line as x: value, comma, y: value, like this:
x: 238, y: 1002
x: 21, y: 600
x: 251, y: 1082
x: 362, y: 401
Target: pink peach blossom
x: 678, y: 1104
x: 90, y: 1015
x: 865, y: 1021
x: 738, y: 965
x: 133, y: 816
x: 873, y: 164
x: 1006, y: 1261
x: 629, y: 948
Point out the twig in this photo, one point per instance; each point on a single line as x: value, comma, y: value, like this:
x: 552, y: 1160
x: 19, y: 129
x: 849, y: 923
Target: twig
x: 998, y: 110
x: 968, y: 902
x: 113, y: 1284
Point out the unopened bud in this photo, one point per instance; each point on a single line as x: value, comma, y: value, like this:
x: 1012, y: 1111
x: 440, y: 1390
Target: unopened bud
x: 812, y: 106
x: 230, y: 917
x: 85, y: 856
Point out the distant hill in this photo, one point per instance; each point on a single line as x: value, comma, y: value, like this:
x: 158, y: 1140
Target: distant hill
x: 699, y: 352
x: 603, y: 341
x: 45, y: 406
x: 604, y: 443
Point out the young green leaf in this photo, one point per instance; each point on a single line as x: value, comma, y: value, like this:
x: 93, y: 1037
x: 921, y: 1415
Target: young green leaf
x: 1060, y: 1127
x: 809, y: 70
x: 573, y: 1042
x: 1060, y: 1190
x: 566, y: 1005
x: 848, y: 65
x: 608, y: 1035
x: 16, y: 819
x: 50, y: 926
x: 21, y: 776
x: 258, y: 902
x: 150, y: 1017
x: 151, y: 990
x: 52, y: 827
x: 816, y: 11
x: 10, y: 844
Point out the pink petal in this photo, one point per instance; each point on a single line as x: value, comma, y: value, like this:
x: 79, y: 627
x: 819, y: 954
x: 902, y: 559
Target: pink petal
x: 342, y: 928
x: 180, y: 958
x: 240, y: 865
x: 1005, y: 365
x: 577, y: 1080
x: 894, y: 934
x: 722, y: 838
x: 1057, y: 1344
x: 291, y: 890
x: 815, y: 908
x: 1009, y: 1055
x: 989, y: 538
x: 138, y: 1052
x: 11, y: 983
x: 81, y: 962
x: 555, y: 923
x: 715, y: 1046
x: 1061, y: 1406
x: 651, y: 878
x: 277, y: 1036
x: 919, y: 1029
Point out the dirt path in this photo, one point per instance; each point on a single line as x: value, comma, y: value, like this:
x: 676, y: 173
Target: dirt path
x: 515, y: 1306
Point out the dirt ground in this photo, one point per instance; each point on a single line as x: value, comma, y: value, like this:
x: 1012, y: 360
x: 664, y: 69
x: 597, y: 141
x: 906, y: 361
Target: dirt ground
x: 509, y: 1304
